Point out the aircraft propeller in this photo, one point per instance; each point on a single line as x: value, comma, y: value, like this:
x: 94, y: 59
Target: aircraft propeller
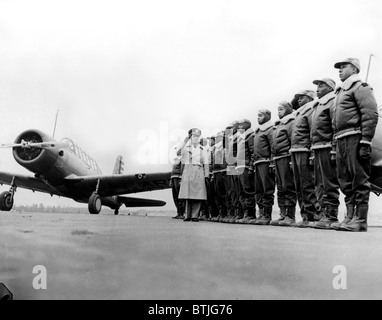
x: 29, y: 144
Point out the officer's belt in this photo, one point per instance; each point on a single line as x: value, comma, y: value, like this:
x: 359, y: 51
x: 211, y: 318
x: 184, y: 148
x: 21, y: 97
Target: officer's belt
x: 281, y: 157
x: 262, y: 160
x: 218, y: 171
x: 347, y: 132
x: 242, y: 166
x: 324, y: 145
x: 291, y: 150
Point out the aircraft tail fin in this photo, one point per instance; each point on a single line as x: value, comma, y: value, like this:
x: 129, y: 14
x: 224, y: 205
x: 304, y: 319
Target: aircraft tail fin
x: 119, y: 165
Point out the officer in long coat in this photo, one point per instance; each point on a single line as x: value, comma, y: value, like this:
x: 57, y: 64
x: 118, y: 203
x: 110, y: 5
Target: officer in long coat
x: 194, y: 176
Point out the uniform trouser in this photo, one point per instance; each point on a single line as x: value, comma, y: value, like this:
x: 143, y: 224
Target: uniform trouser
x: 193, y: 208
x: 179, y: 203
x: 233, y: 185
x: 247, y: 190
x: 264, y: 185
x: 220, y: 186
x: 325, y: 176
x: 304, y: 182
x: 286, y: 189
x: 353, y: 174
x: 210, y: 203
x: 319, y: 189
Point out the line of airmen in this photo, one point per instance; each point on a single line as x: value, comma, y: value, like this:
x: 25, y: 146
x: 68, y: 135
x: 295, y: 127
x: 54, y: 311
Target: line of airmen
x: 320, y: 145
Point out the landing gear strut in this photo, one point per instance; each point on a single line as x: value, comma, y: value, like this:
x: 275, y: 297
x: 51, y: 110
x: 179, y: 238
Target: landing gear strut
x: 6, y: 197
x: 95, y: 202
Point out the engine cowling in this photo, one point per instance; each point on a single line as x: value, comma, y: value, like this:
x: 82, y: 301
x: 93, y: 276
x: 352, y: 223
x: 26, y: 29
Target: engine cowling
x: 35, y: 159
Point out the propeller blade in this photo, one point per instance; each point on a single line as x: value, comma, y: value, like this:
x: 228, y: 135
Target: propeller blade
x: 42, y: 145
x: 10, y: 145
x: 26, y: 144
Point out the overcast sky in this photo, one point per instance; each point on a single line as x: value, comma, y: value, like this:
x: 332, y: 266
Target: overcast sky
x: 127, y: 74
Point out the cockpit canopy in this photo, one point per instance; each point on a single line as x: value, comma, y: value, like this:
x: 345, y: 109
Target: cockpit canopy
x: 81, y: 154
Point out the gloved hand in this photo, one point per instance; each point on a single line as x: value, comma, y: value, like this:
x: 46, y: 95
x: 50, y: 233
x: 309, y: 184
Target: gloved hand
x: 311, y: 163
x: 364, y: 152
x: 272, y: 168
x: 333, y: 159
x: 206, y: 180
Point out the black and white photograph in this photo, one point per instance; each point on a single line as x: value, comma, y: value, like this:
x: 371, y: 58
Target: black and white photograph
x: 174, y: 151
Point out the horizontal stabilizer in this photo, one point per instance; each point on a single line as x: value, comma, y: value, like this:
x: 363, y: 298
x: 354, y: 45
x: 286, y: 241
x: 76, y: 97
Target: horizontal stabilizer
x: 138, y: 202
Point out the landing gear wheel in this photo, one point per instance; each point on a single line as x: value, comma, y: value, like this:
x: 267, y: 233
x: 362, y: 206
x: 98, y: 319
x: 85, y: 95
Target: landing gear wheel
x: 116, y: 211
x: 95, y: 204
x: 6, y: 201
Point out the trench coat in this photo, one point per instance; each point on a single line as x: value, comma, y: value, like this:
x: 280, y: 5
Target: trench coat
x: 196, y: 169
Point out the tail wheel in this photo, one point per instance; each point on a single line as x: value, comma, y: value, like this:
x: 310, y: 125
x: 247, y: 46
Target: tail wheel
x: 95, y: 204
x: 6, y: 201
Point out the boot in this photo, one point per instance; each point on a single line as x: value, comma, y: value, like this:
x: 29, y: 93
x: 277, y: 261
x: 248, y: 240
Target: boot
x: 179, y: 214
x: 348, y: 218
x: 222, y: 215
x: 229, y: 216
x: 359, y: 221
x: 238, y: 215
x: 317, y: 216
x: 290, y: 218
x: 216, y: 217
x: 281, y: 218
x: 313, y: 218
x: 249, y: 214
x: 266, y: 218
x: 241, y: 215
x: 306, y: 221
x: 261, y: 213
x: 330, y: 217
x: 203, y: 215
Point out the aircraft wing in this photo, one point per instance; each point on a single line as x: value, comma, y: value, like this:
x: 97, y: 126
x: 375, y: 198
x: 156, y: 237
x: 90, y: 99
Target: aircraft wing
x: 81, y: 187
x: 111, y: 185
x: 28, y: 182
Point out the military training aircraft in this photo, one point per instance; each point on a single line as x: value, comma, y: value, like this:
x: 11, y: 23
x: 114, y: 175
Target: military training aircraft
x: 63, y: 169
x: 376, y: 157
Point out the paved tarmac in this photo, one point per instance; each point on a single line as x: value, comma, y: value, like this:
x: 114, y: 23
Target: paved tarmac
x: 138, y: 257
